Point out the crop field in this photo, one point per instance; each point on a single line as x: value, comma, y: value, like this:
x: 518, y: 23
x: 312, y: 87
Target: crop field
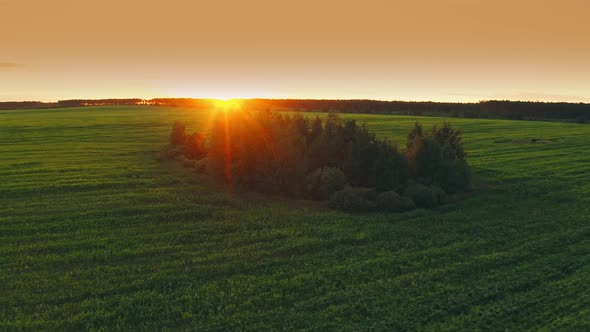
x: 97, y: 231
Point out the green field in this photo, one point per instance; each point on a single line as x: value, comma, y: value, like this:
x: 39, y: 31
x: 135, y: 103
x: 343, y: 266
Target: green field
x: 96, y: 232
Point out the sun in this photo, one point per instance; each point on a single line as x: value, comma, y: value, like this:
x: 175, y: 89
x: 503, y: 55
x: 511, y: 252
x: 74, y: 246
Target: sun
x: 227, y: 105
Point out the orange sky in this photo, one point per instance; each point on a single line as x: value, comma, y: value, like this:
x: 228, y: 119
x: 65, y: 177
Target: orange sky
x: 443, y: 50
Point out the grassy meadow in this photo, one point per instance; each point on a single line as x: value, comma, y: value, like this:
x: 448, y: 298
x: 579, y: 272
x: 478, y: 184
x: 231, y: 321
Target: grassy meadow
x: 97, y: 232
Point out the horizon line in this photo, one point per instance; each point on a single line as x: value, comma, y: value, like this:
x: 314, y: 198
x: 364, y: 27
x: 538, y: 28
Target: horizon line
x: 317, y: 99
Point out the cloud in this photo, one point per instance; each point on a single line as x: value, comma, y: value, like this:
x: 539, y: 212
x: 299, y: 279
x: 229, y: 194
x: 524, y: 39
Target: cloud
x: 9, y: 65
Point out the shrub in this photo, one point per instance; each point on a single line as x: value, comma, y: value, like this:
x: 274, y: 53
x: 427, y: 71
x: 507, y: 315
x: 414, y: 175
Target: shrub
x: 407, y: 204
x: 425, y: 156
x: 454, y: 176
x: 390, y: 168
x: 178, y: 134
x: 201, y: 165
x: 392, y: 202
x: 415, y: 134
x: 438, y: 156
x: 173, y: 152
x: 423, y: 196
x: 450, y: 139
x: 323, y: 182
x: 440, y: 194
x: 354, y: 199
x: 185, y: 162
x: 195, y: 146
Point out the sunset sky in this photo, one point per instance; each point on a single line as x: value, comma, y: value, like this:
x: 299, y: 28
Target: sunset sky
x: 442, y: 50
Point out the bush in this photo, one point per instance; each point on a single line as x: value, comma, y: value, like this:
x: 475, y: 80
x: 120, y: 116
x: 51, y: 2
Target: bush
x: 423, y: 196
x: 178, y: 134
x: 195, y: 146
x: 392, y: 202
x: 323, y: 182
x: 425, y: 157
x: 438, y: 156
x: 390, y: 168
x: 354, y: 199
x: 440, y: 194
x: 173, y: 152
x: 450, y: 139
x: 185, y: 162
x: 454, y: 176
x: 201, y: 165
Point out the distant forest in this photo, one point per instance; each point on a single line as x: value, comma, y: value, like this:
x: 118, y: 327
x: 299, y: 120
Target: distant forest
x: 497, y: 109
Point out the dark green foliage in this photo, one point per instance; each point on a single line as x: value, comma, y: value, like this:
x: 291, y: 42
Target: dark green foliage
x: 173, y: 152
x: 392, y: 202
x: 186, y: 162
x: 438, y: 157
x: 277, y: 153
x: 450, y: 140
x: 372, y: 162
x: 318, y: 154
x: 260, y: 151
x: 423, y: 196
x: 323, y: 182
x: 316, y: 129
x: 416, y: 133
x: 425, y: 157
x: 362, y: 152
x: 194, y: 146
x: 454, y: 176
x: 191, y: 146
x: 178, y: 134
x: 201, y: 165
x: 354, y: 199
x: 441, y: 196
x: 333, y: 124
x: 390, y: 168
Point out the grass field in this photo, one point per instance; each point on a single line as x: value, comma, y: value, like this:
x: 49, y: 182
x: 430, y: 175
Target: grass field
x: 95, y: 232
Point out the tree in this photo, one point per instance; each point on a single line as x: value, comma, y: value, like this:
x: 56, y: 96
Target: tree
x: 178, y: 135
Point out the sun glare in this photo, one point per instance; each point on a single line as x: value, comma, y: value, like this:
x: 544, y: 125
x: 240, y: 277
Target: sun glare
x: 227, y: 105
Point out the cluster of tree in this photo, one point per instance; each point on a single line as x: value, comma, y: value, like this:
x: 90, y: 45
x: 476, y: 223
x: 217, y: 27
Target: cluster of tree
x: 193, y: 145
x: 516, y: 110
x: 333, y: 159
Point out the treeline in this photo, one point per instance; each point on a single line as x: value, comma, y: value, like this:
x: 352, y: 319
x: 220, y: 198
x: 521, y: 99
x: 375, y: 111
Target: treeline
x: 338, y: 160
x: 101, y: 102
x: 16, y: 105
x: 495, y: 109
x: 21, y: 105
x: 515, y: 110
